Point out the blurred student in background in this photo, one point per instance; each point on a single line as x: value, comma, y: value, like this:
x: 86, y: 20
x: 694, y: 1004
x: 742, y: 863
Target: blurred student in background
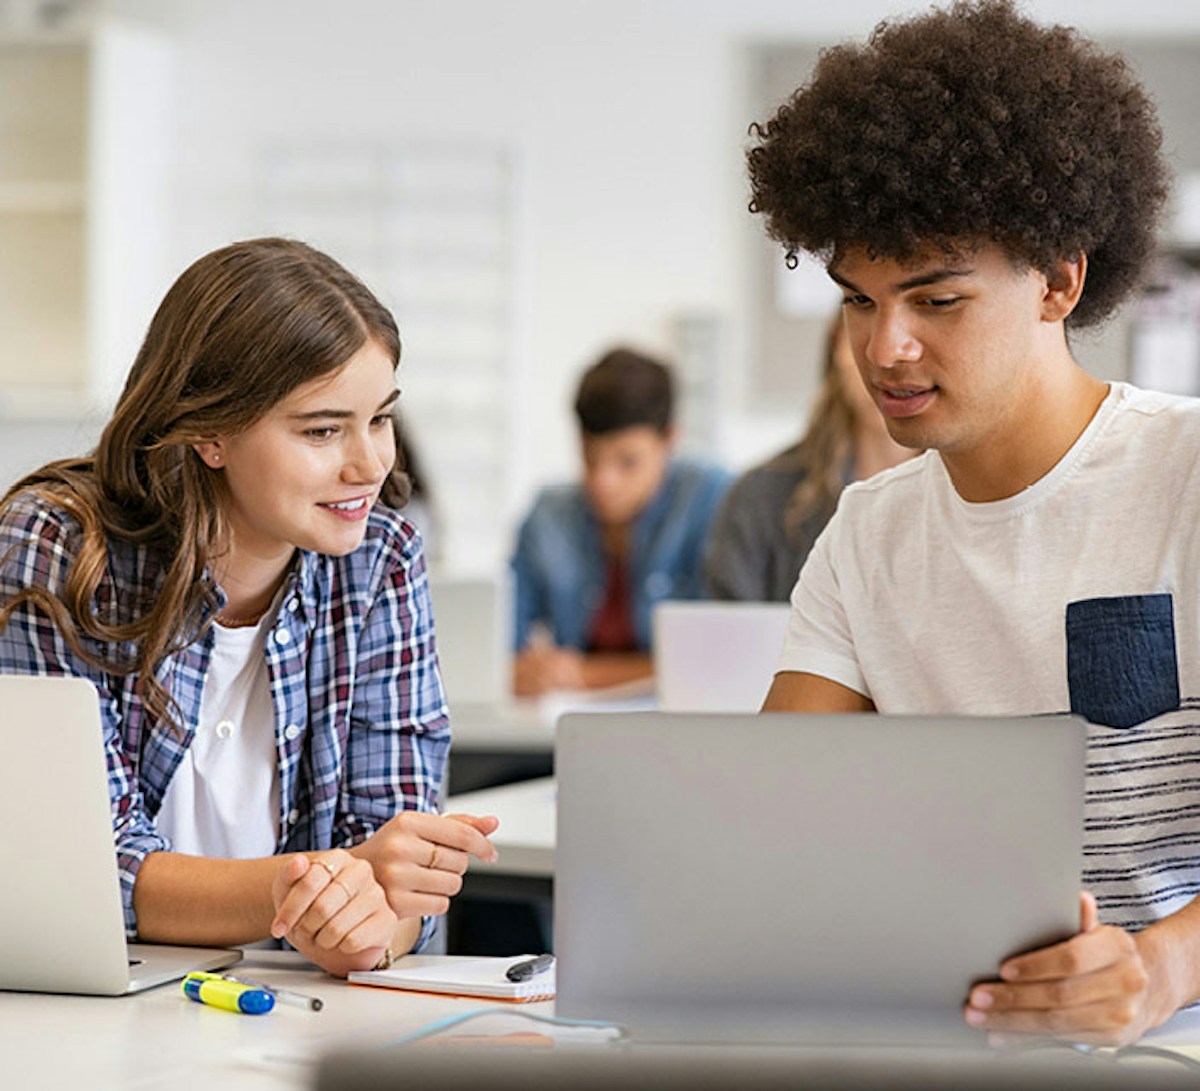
x: 592, y: 559
x: 771, y: 516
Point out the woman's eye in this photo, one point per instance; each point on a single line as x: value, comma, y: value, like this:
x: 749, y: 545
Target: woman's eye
x: 319, y: 433
x: 381, y: 420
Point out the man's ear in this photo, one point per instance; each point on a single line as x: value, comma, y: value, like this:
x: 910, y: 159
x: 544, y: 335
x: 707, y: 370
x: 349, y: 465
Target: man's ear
x: 211, y: 452
x: 1064, y: 286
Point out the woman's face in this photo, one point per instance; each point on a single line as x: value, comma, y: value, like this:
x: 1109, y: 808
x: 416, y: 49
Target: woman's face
x: 306, y: 474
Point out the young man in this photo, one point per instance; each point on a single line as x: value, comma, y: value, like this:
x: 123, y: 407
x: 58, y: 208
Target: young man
x: 979, y: 186
x: 593, y: 559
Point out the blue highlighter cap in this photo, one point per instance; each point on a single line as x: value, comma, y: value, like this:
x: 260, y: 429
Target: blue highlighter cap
x: 256, y: 1002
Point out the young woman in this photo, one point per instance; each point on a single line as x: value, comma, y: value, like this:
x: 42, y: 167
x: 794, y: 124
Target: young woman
x: 774, y: 512
x: 227, y: 569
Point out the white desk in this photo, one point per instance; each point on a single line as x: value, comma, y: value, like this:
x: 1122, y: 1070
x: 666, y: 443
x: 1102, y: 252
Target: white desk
x: 527, y: 724
x: 160, y: 1039
x: 525, y: 839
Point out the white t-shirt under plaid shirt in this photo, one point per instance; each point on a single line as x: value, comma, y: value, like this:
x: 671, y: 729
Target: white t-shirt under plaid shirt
x: 360, y: 716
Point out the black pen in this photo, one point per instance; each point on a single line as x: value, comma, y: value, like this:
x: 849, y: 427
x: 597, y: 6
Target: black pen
x: 523, y: 971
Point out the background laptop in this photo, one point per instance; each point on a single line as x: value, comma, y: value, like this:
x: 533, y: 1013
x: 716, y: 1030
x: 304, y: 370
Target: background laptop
x: 61, y: 924
x: 716, y: 656
x: 786, y: 877
x: 472, y: 619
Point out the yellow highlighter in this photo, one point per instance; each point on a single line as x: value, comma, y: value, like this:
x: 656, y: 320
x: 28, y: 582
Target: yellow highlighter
x: 219, y: 992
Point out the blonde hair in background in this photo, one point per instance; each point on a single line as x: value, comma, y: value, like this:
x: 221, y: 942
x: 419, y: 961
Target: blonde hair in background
x: 827, y: 447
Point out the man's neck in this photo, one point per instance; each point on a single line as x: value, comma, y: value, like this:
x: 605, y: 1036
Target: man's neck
x: 1029, y: 443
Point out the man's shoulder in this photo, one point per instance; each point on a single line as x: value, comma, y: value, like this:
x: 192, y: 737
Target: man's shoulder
x: 897, y: 484
x: 557, y: 502
x: 1141, y: 404
x: 698, y: 474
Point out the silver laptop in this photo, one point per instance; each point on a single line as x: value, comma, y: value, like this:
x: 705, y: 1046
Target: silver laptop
x: 61, y: 924
x: 472, y: 618
x: 716, y: 656
x: 784, y: 877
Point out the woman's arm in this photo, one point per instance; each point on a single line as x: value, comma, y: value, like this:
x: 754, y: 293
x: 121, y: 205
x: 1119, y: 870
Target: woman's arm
x: 328, y: 905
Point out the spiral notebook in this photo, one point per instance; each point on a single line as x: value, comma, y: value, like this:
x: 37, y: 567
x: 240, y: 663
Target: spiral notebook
x: 460, y: 976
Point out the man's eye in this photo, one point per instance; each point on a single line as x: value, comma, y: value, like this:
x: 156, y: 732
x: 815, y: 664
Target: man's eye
x: 855, y: 301
x: 943, y: 301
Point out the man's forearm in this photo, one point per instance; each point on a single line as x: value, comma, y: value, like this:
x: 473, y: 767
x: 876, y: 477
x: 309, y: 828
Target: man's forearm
x: 1170, y: 949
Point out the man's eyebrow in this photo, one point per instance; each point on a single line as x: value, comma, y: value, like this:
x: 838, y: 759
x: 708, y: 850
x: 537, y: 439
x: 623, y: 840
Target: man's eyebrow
x: 340, y: 414
x: 934, y: 276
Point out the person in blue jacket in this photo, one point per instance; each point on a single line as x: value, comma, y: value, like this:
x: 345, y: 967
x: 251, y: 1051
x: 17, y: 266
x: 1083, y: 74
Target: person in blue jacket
x: 593, y: 558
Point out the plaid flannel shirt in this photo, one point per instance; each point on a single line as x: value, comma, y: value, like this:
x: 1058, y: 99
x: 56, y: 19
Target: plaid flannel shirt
x: 360, y: 717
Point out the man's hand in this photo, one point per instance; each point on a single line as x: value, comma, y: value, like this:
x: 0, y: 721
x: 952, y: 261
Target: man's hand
x: 1104, y: 986
x: 419, y: 858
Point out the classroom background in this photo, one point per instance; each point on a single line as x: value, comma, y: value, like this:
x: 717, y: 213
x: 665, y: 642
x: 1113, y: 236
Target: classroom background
x: 526, y: 184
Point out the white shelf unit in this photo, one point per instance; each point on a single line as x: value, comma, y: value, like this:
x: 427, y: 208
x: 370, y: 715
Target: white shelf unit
x: 82, y: 173
x: 429, y: 226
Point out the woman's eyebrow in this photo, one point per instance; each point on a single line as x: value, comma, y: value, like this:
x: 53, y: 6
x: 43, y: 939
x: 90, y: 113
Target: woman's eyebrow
x: 340, y: 414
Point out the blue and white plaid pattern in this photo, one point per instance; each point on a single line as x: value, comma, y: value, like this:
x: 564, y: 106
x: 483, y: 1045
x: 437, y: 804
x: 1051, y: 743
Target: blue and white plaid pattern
x: 361, y: 723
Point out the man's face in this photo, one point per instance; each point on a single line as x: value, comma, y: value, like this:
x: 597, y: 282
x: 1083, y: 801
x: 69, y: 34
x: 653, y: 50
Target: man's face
x: 948, y: 345
x: 623, y: 470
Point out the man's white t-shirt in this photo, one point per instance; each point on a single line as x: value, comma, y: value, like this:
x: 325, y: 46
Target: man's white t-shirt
x: 223, y: 799
x: 1079, y: 593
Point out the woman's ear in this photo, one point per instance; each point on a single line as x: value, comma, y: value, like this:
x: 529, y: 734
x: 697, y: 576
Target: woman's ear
x: 1064, y: 286
x: 211, y: 453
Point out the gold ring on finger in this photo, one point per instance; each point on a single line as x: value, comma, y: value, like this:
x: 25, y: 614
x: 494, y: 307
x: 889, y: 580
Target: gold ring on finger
x: 433, y: 858
x: 349, y: 892
x: 328, y: 867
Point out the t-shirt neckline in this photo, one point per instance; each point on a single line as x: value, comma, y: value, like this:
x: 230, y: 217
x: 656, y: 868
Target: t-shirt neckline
x: 1051, y: 481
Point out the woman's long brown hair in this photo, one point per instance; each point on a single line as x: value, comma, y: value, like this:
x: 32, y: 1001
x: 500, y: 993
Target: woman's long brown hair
x: 239, y: 330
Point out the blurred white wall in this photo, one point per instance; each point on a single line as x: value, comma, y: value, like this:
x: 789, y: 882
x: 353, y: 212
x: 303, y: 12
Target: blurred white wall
x: 628, y: 119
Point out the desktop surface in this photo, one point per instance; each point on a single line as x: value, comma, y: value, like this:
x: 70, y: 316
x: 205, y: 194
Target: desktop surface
x: 160, y: 1041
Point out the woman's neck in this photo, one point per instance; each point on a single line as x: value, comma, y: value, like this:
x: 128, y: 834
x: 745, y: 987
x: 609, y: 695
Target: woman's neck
x: 250, y: 586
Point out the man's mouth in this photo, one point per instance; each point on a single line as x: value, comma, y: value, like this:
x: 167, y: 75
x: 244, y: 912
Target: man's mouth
x: 905, y: 401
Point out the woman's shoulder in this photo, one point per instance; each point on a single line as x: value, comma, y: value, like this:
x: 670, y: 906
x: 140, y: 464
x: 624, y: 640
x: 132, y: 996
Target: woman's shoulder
x: 38, y: 518
x: 389, y: 542
x: 770, y: 482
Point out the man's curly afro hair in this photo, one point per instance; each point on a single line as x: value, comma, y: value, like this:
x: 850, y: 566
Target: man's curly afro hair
x: 966, y: 126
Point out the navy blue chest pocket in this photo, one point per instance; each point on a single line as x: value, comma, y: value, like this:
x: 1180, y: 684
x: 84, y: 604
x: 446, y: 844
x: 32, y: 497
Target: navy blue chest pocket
x: 1121, y: 664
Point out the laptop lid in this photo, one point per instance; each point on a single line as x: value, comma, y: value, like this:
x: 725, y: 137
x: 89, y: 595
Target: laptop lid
x: 716, y: 656
x: 471, y: 619
x: 786, y: 876
x: 61, y: 923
